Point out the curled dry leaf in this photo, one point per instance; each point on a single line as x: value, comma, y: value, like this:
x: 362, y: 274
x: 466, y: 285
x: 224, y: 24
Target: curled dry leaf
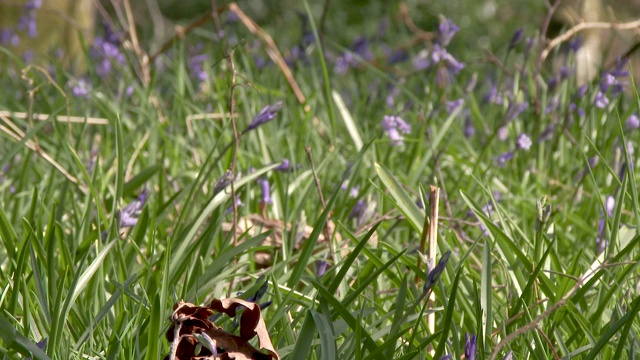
x: 193, y: 336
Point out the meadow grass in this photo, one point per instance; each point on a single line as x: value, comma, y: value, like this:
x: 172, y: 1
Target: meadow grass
x: 542, y: 233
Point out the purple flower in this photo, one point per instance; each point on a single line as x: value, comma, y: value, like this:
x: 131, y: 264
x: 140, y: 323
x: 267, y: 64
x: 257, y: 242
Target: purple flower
x: 516, y: 38
x: 508, y: 356
x: 265, y: 115
x: 502, y: 159
x: 523, y: 142
x: 434, y: 274
x: 358, y: 210
x: 223, y: 182
x: 421, y: 60
x: 633, y: 122
x: 601, y: 100
x: 469, y: 129
x: 440, y: 55
x: 239, y: 203
x: 446, y: 31
x: 547, y: 134
x: 493, y: 96
x: 451, y: 106
x: 285, y: 166
x: 607, y: 81
x: 582, y: 90
x: 81, y: 88
x: 128, y: 217
x: 601, y: 242
x: 394, y: 126
x: 609, y: 204
x: 503, y: 132
x: 470, y: 347
x: 265, y: 189
x: 515, y: 109
x: 321, y: 267
x: 9, y: 37
x: 360, y: 48
x: 197, y: 67
x: 575, y: 44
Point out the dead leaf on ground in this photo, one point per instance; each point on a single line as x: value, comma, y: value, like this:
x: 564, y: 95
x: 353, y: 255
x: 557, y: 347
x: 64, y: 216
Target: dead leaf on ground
x: 194, y: 337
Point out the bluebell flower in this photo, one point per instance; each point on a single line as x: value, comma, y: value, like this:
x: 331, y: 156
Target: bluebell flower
x: 601, y: 101
x: 265, y: 190
x: 421, y: 60
x: 601, y: 242
x: 394, y: 126
x: 609, y: 205
x: 508, y: 356
x: 516, y: 38
x: 439, y: 55
x: 470, y: 347
x: 633, y: 122
x: 9, y: 37
x: 547, y: 134
x: 321, y: 267
x: 523, y: 142
x: 223, y: 182
x: 80, y: 88
x: 575, y: 44
x: 434, y: 274
x: 446, y: 31
x: 582, y: 90
x: 128, y: 217
x: 493, y: 96
x: 265, y: 115
x: 606, y: 81
x: 452, y: 105
x: 360, y: 47
x: 469, y: 129
x: 515, y: 109
x: 285, y: 166
x: 358, y: 209
x: 239, y: 203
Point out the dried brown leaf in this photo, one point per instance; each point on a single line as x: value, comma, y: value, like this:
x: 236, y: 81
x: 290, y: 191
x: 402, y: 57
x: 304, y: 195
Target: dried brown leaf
x: 191, y: 322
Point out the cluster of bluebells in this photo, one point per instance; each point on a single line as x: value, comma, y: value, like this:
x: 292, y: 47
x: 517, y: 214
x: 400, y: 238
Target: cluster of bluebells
x: 612, y: 82
x: 26, y: 24
x: 106, y: 52
x: 359, y: 49
x: 395, y: 126
x: 439, y: 56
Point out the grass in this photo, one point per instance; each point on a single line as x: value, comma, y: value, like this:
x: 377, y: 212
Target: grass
x: 524, y: 273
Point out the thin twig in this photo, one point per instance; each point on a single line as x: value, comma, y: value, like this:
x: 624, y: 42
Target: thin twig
x: 19, y: 135
x: 586, y: 26
x: 181, y: 32
x: 534, y: 324
x: 59, y: 118
x: 272, y: 50
x: 406, y: 18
